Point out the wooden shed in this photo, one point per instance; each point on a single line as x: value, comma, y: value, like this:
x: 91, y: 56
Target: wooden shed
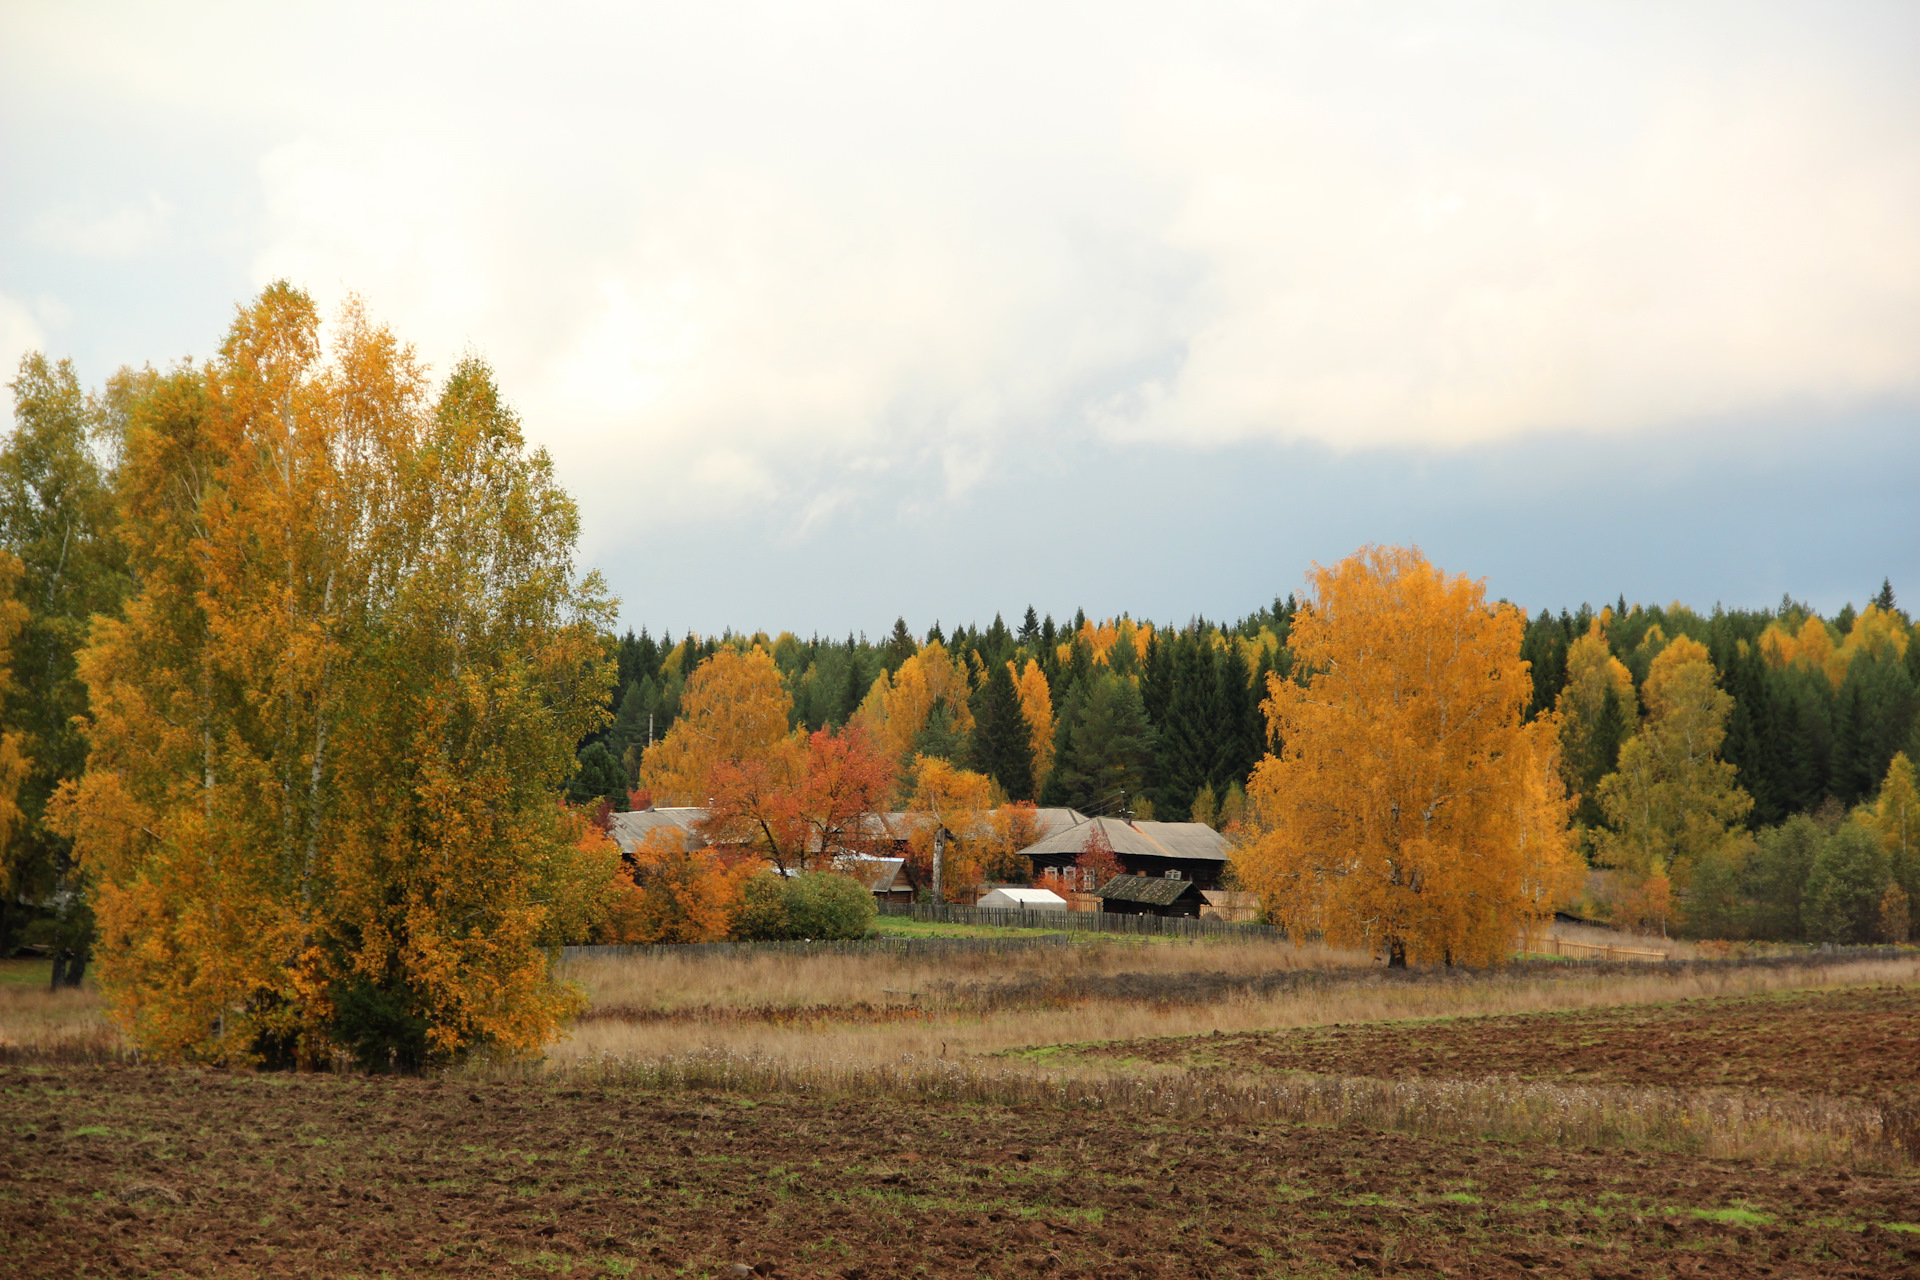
x: 1150, y: 896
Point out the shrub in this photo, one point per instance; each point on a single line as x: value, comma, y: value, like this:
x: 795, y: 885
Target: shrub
x: 818, y: 905
x: 1844, y: 888
x: 824, y: 905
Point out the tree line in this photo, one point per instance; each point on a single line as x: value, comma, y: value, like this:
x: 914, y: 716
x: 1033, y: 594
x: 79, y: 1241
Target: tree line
x: 311, y: 729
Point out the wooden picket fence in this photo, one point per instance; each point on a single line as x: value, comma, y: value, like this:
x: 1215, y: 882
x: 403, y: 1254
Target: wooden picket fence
x: 1600, y: 951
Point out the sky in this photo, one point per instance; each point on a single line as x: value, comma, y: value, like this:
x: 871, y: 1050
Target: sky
x: 834, y: 313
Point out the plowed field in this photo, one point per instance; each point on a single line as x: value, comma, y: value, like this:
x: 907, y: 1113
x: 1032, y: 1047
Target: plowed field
x: 131, y: 1171
x: 1848, y: 1042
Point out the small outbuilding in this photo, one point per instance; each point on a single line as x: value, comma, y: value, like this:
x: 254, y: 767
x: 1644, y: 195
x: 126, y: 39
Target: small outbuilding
x: 1015, y: 898
x: 1150, y: 896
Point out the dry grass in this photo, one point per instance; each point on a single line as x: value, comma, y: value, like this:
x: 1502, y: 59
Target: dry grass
x: 1717, y: 1125
x: 881, y: 1012
x: 766, y: 980
x: 57, y: 1026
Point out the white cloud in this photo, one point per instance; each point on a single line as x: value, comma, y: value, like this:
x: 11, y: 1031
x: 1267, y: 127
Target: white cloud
x: 19, y: 334
x: 790, y: 257
x: 118, y: 233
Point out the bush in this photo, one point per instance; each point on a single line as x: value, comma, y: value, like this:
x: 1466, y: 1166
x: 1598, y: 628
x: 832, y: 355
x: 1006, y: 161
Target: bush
x: 1845, y: 885
x: 762, y: 912
x: 819, y: 905
x: 824, y: 905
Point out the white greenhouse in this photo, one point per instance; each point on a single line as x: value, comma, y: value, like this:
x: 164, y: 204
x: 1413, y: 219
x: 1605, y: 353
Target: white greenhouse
x: 1016, y: 899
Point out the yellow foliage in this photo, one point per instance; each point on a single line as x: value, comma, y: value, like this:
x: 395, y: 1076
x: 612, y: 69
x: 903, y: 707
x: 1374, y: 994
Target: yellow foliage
x: 1896, y: 817
x: 734, y: 710
x: 959, y: 800
x: 1102, y: 636
x: 1592, y: 673
x: 1876, y: 634
x: 1036, y: 703
x: 672, y: 893
x: 1413, y: 811
x: 897, y: 707
x: 1672, y: 799
x: 326, y: 733
x: 14, y: 764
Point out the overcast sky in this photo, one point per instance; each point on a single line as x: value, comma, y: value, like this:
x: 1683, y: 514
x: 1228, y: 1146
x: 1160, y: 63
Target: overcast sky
x: 830, y: 313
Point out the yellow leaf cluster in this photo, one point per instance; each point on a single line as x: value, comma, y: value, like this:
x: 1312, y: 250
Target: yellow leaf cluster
x: 1876, y: 633
x: 734, y: 710
x: 1102, y: 636
x: 14, y: 764
x: 1896, y: 816
x: 1036, y: 703
x: 326, y: 733
x: 672, y: 893
x: 1672, y: 800
x: 896, y: 709
x: 1413, y: 810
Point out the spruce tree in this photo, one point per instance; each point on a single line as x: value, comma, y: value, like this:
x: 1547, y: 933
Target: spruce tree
x: 1030, y: 630
x: 1239, y: 747
x: 900, y: 645
x: 1002, y: 737
x: 1189, y: 738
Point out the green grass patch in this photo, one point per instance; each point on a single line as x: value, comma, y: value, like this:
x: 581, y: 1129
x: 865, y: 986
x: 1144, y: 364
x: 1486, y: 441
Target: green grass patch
x: 901, y: 927
x: 1738, y: 1215
x: 26, y: 973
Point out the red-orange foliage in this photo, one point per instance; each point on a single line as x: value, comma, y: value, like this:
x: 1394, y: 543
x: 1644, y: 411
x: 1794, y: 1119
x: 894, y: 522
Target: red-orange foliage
x: 1097, y: 862
x: 669, y: 893
x: 806, y: 804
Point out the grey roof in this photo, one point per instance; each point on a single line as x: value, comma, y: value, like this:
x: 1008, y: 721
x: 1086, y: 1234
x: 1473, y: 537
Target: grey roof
x: 887, y: 875
x: 1052, y: 821
x: 1194, y: 840
x: 1153, y: 891
x: 629, y: 829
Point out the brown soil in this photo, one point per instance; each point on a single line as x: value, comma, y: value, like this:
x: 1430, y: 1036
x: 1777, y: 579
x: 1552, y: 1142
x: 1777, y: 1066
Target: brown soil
x: 130, y: 1171
x: 1853, y: 1042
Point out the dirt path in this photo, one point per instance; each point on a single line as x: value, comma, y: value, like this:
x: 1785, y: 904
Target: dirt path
x: 129, y: 1171
x: 1849, y: 1042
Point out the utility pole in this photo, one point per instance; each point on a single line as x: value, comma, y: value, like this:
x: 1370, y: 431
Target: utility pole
x: 939, y: 860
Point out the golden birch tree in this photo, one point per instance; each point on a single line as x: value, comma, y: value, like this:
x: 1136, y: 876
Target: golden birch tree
x: 1673, y: 801
x: 734, y: 712
x: 327, y: 734
x: 1036, y: 703
x: 14, y: 763
x: 1896, y: 817
x: 930, y: 691
x: 1413, y: 811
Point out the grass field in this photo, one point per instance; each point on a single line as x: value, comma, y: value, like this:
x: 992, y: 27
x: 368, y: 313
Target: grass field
x: 901, y: 927
x: 1107, y: 1107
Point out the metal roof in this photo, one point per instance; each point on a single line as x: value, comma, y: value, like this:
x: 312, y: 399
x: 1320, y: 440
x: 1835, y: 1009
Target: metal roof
x: 1192, y: 840
x: 1152, y: 891
x: 629, y: 829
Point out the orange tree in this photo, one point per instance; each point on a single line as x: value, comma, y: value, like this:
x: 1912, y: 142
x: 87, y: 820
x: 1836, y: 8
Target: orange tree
x: 806, y: 803
x: 327, y: 735
x: 1413, y: 811
x: 734, y: 712
x: 670, y: 893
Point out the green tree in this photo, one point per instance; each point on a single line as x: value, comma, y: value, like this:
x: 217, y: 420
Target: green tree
x: 327, y: 734
x: 1845, y: 885
x: 1002, y: 738
x: 1776, y: 878
x: 56, y: 516
x: 1673, y: 802
x: 600, y: 776
x: 1103, y: 746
